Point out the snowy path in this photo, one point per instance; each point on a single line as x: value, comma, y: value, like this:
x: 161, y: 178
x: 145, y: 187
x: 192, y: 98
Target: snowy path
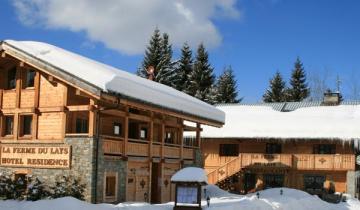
x: 269, y: 200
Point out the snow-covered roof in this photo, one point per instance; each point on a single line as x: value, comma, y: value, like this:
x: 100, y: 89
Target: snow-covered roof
x: 263, y: 122
x: 190, y: 174
x: 110, y: 79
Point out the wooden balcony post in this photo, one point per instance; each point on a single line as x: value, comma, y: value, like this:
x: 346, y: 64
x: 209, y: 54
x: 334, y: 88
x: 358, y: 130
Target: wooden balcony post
x: 65, y: 99
x: 92, y: 119
x: 1, y: 97
x: 151, y: 139
x: 18, y: 86
x: 181, y: 133
x: 126, y: 132
x: 36, y: 105
x: 198, y: 140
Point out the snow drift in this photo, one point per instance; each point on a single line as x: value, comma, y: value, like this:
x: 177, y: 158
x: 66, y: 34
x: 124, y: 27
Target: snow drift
x: 269, y: 200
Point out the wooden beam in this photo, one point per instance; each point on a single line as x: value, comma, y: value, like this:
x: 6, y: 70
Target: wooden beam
x: 181, y: 133
x: 78, y: 108
x: 139, y: 117
x: 115, y: 112
x: 198, y: 139
x: 126, y: 130
x: 18, y: 86
x: 92, y: 119
x: 16, y: 126
x: 3, y: 54
x: 36, y: 105
x: 162, y: 137
x: 18, y: 110
x: 64, y: 117
x: 191, y: 128
x: 1, y: 97
x: 151, y: 139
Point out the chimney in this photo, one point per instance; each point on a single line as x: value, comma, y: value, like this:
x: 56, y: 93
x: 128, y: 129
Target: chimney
x: 331, y: 98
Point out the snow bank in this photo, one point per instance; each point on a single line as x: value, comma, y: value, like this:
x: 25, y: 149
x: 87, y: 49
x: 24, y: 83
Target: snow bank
x: 322, y: 122
x: 190, y: 174
x: 108, y: 78
x: 269, y: 200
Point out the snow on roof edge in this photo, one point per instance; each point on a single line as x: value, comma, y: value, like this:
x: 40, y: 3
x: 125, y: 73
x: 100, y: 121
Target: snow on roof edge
x: 203, y: 111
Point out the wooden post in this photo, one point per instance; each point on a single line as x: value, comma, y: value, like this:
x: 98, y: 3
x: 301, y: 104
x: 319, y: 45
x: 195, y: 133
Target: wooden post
x: 181, y: 134
x: 18, y: 86
x: 92, y: 118
x: 1, y: 97
x: 198, y: 129
x: 162, y: 136
x: 16, y: 125
x: 65, y: 99
x: 36, y: 105
x: 126, y: 130
x: 151, y: 139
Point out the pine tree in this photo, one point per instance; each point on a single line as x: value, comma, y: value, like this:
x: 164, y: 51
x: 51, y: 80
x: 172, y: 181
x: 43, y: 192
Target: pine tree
x: 276, y: 91
x: 298, y: 89
x: 158, y: 54
x: 202, y: 78
x: 184, y: 69
x: 152, y: 55
x: 226, y: 87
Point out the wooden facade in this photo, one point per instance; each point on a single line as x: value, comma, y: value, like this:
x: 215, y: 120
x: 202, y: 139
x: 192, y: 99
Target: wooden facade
x: 39, y: 108
x: 253, y: 164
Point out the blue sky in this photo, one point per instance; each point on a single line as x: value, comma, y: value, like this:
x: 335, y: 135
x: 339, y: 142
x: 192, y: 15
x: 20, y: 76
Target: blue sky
x: 255, y: 37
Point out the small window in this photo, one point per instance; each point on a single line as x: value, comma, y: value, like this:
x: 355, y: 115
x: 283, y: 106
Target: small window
x: 81, y: 125
x: 117, y: 129
x: 324, y: 149
x: 9, y: 125
x: 30, y: 78
x: 143, y: 133
x: 273, y: 148
x: 26, y: 125
x: 11, y: 79
x: 229, y: 150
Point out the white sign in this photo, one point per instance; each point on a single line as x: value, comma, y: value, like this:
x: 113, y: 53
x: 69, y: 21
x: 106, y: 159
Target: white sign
x: 187, y: 195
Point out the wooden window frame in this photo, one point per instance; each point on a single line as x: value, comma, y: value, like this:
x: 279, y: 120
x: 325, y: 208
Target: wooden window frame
x: 110, y: 198
x: 26, y: 79
x: 4, y: 126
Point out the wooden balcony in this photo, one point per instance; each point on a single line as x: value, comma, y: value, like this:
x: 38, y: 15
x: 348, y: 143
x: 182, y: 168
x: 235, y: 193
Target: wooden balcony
x: 8, y: 99
x: 324, y: 162
x: 263, y: 160
x: 113, y: 146
x: 297, y: 162
x: 135, y: 147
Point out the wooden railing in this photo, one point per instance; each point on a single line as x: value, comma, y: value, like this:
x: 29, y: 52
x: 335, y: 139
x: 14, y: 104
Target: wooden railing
x: 135, y: 147
x: 296, y: 161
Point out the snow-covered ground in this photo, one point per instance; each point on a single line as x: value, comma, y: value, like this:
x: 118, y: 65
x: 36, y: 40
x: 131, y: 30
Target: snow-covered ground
x: 221, y: 200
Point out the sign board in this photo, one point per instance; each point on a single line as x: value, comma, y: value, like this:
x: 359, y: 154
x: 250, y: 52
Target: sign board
x: 187, y: 195
x: 358, y: 160
x: 35, y: 156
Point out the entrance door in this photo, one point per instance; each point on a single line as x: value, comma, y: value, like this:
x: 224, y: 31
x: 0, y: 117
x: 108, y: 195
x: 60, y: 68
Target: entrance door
x: 249, y: 182
x: 155, y: 192
x: 273, y: 180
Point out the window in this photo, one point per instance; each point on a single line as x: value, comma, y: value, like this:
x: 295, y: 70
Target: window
x: 11, y: 79
x: 229, y: 150
x: 26, y: 125
x: 117, y: 129
x: 313, y: 182
x: 81, y: 125
x: 30, y: 77
x: 273, y: 180
x: 324, y: 149
x: 110, y: 185
x: 143, y: 133
x: 273, y: 148
x: 9, y: 125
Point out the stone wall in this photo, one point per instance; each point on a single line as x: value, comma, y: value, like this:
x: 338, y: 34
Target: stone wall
x: 82, y: 165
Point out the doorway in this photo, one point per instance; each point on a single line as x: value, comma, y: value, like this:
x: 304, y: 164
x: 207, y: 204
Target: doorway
x: 155, y: 191
x: 249, y: 182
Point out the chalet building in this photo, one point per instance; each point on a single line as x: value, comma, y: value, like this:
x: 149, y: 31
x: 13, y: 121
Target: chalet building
x: 304, y: 145
x: 64, y: 114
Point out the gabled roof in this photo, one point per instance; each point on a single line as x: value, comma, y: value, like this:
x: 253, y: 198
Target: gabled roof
x: 263, y: 122
x: 98, y: 77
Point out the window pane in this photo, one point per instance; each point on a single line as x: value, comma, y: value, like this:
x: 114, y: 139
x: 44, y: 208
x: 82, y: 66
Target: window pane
x: 27, y: 121
x: 9, y: 125
x: 30, y: 76
x: 11, y: 79
x: 81, y: 125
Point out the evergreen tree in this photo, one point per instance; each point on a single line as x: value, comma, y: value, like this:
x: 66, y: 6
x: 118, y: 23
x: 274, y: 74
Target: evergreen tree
x: 226, y: 87
x: 158, y: 54
x: 276, y: 91
x: 298, y: 89
x: 202, y: 78
x: 184, y: 69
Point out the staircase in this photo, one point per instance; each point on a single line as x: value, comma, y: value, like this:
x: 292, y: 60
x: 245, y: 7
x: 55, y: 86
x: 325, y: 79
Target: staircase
x: 225, y: 171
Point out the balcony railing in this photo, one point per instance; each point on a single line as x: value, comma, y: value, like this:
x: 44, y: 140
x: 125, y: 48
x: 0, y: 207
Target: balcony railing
x: 136, y: 147
x: 297, y: 161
